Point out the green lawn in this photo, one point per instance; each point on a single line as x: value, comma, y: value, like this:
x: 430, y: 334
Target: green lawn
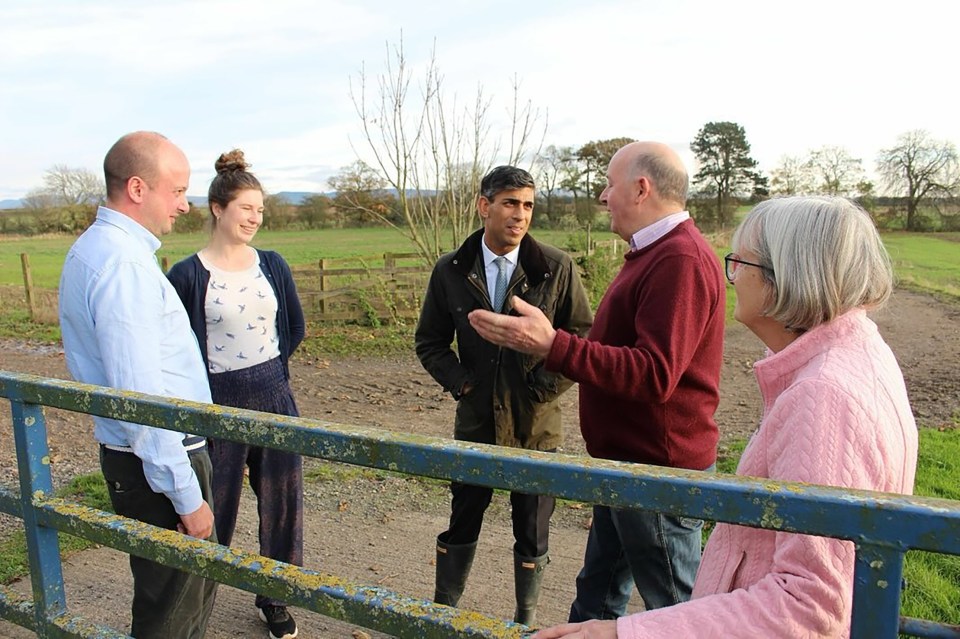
x: 299, y: 248
x: 926, y: 262
x: 933, y: 581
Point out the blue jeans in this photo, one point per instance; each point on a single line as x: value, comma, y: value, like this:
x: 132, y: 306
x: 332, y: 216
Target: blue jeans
x: 658, y: 553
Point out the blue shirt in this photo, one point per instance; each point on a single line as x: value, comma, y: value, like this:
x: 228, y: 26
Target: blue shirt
x: 124, y: 326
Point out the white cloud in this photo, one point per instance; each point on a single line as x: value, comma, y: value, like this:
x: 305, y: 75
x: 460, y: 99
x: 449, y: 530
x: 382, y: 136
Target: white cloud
x: 273, y: 77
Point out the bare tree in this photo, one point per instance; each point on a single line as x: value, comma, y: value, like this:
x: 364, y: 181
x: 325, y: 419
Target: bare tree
x: 73, y: 186
x: 836, y: 171
x: 433, y: 151
x: 919, y: 168
x: 68, y: 198
x: 550, y: 170
x: 360, y: 191
x: 277, y: 211
x: 39, y: 199
x: 792, y: 176
x: 65, y: 186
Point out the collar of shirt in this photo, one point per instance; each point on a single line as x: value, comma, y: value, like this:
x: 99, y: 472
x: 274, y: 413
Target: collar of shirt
x: 490, y: 267
x: 130, y: 226
x: 650, y: 234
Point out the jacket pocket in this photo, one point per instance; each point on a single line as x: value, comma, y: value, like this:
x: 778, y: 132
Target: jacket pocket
x: 474, y: 420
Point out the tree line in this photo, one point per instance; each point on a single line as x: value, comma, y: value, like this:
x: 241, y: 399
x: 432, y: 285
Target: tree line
x: 423, y: 152
x: 920, y: 182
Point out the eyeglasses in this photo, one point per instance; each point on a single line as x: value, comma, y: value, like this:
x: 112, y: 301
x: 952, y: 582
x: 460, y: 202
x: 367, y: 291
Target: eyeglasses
x: 732, y: 262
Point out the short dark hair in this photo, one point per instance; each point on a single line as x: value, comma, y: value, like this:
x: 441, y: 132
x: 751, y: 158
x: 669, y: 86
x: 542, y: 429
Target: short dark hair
x: 505, y: 178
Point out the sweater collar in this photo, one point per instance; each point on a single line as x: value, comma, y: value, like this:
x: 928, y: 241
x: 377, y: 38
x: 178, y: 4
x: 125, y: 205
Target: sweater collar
x: 776, y: 371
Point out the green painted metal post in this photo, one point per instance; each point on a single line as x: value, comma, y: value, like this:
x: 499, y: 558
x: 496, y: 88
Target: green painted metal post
x: 43, y: 544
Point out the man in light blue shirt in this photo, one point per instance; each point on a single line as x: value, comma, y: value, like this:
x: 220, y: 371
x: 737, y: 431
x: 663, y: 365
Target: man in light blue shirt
x: 124, y: 326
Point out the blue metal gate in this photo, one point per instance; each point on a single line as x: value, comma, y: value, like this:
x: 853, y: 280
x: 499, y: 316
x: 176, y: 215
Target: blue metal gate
x: 884, y: 527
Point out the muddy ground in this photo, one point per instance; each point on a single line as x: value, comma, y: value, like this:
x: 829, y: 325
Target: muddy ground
x: 380, y: 531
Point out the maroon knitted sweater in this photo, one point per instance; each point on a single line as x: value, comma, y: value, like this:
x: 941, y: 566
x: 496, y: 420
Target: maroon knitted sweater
x: 649, y: 371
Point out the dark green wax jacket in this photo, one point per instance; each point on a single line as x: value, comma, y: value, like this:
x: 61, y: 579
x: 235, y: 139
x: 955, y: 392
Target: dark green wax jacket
x: 514, y: 401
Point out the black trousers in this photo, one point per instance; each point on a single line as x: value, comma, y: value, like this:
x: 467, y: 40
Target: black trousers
x: 530, y: 515
x: 166, y: 602
x: 276, y: 476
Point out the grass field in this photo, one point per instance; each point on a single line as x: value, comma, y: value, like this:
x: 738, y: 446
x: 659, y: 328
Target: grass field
x: 924, y: 261
x: 299, y: 248
x: 928, y: 262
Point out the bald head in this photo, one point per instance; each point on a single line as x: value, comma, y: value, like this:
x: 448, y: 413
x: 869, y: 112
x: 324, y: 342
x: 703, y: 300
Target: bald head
x: 661, y: 166
x: 147, y: 177
x: 135, y: 154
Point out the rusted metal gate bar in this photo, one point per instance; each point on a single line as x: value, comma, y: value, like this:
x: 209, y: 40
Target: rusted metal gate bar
x: 883, y: 526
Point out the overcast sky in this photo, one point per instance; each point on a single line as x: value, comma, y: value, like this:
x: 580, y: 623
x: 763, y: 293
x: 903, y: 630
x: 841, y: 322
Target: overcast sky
x: 273, y: 78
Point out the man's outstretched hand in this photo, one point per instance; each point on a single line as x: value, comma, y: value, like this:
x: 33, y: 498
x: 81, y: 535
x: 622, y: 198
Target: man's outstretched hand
x: 531, y: 332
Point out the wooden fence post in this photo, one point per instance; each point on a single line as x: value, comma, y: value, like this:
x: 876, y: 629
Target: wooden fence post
x: 389, y: 264
x: 28, y: 285
x: 323, y: 286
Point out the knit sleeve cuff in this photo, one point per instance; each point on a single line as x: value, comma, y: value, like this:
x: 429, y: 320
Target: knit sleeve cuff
x: 557, y: 356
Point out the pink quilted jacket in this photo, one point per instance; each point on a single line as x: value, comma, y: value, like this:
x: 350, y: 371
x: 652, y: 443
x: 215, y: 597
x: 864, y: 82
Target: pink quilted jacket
x: 836, y: 413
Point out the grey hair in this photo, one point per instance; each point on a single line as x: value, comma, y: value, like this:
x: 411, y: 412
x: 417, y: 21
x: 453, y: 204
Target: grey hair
x: 824, y: 257
x: 670, y: 180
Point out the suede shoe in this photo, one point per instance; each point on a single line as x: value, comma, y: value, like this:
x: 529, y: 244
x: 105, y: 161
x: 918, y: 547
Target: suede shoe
x: 279, y: 621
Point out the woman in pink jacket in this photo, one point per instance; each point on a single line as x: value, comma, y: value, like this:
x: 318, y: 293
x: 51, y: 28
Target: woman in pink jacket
x: 835, y: 412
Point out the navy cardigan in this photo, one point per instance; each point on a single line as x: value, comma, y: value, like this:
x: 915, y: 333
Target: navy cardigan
x: 190, y: 279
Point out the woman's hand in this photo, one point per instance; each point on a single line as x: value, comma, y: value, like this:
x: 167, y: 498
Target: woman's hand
x: 593, y: 629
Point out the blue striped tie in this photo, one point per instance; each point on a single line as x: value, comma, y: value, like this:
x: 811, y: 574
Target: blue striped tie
x: 500, y: 291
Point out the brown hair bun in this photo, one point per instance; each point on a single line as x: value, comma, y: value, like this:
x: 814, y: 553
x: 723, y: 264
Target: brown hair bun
x: 231, y: 161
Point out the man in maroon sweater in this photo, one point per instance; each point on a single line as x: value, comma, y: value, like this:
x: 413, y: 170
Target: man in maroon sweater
x: 649, y: 374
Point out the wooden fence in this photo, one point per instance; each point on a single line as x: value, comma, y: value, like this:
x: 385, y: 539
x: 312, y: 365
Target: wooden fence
x: 382, y: 288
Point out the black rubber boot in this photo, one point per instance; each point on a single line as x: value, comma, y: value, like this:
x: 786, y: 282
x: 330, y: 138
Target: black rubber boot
x: 453, y: 567
x: 527, y: 576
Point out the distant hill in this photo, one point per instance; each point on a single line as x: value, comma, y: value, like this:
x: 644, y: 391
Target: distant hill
x: 293, y: 197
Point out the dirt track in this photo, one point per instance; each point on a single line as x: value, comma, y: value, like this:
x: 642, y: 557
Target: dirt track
x: 356, y: 527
